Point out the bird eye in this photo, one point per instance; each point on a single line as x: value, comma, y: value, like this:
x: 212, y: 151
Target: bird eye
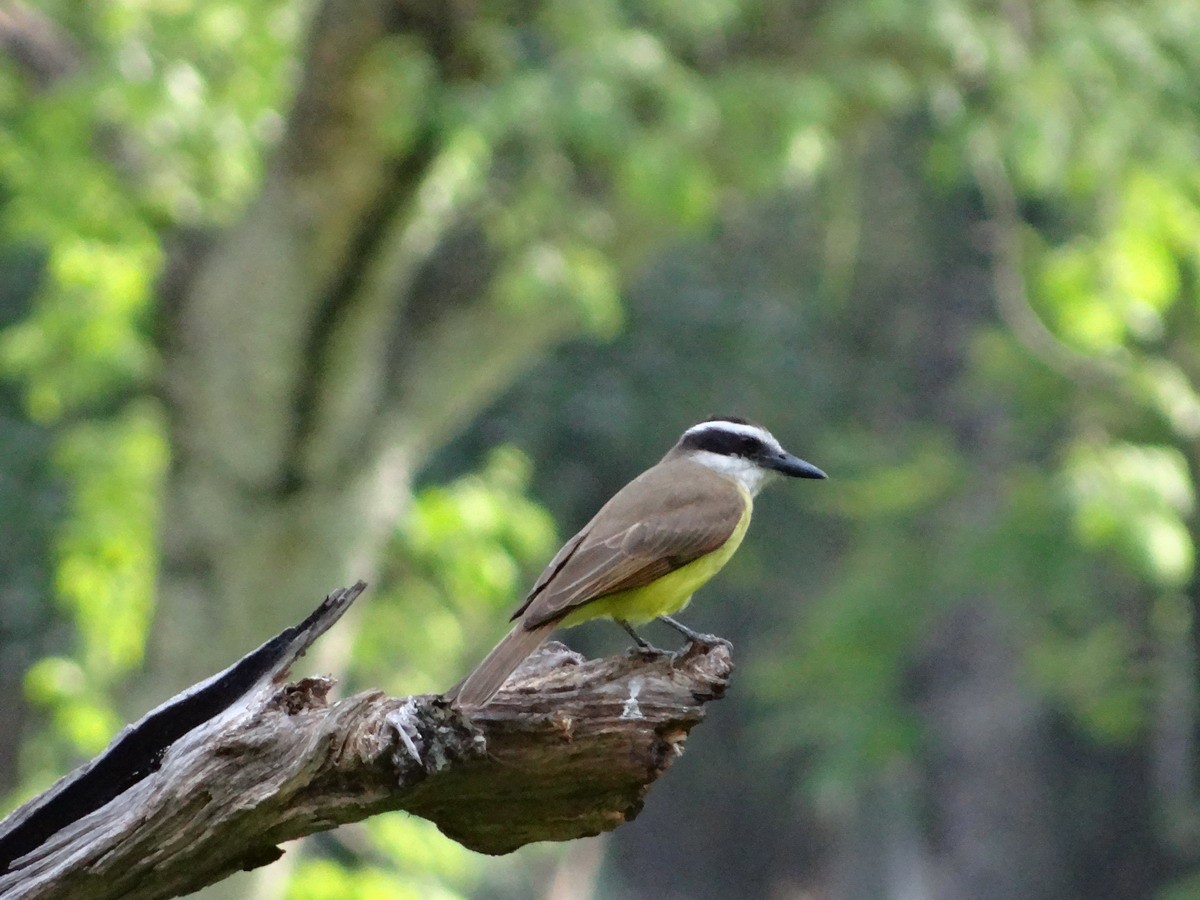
x: 749, y: 446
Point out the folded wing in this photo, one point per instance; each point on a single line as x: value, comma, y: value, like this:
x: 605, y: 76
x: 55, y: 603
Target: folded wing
x: 670, y: 516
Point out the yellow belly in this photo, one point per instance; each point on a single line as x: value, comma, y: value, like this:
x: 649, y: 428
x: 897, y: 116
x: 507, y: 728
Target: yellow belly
x: 667, y: 595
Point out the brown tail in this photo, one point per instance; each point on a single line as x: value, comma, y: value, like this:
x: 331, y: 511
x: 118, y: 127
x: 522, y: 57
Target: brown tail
x: 489, y: 676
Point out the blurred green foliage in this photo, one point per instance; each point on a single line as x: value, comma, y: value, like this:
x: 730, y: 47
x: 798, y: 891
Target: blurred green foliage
x: 461, y: 561
x: 397, y: 856
x: 106, y: 563
x: 822, y: 167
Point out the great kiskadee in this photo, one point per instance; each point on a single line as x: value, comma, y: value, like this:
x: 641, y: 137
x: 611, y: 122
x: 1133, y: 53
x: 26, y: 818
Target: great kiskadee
x: 650, y: 547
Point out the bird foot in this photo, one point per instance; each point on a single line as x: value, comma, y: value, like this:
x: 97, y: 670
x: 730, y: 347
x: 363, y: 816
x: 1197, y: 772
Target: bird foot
x: 643, y: 649
x: 695, y: 637
x: 706, y: 641
x: 649, y: 653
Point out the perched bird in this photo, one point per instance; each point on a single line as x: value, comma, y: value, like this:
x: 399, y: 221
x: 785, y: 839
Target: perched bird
x: 650, y: 547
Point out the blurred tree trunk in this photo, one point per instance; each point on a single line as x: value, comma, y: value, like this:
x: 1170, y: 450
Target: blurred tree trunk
x: 995, y: 833
x: 318, y: 350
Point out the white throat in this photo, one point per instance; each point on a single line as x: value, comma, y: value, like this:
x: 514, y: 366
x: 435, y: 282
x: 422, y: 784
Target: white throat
x: 749, y: 476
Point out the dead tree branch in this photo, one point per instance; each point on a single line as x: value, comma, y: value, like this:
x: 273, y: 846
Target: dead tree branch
x: 568, y: 749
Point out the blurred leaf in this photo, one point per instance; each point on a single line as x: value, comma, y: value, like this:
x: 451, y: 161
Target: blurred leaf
x: 321, y: 879
x: 1135, y: 500
x: 1091, y: 673
x: 462, y: 560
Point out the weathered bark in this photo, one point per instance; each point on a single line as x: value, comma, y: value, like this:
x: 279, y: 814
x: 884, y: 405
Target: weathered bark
x: 568, y: 749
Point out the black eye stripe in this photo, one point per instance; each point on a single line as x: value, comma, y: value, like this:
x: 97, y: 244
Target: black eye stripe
x: 726, y: 443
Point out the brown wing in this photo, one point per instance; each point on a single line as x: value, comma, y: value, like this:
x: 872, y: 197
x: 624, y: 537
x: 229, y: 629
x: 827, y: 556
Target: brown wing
x: 694, y: 511
x: 560, y: 559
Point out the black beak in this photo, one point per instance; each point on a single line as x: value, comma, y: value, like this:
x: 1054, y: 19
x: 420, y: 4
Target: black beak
x: 794, y: 466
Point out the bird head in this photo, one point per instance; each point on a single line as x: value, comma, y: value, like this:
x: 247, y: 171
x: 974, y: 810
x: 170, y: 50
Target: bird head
x: 741, y: 450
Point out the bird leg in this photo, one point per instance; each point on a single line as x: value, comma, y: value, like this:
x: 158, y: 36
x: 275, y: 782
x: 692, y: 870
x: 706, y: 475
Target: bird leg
x: 644, y: 646
x: 694, y: 636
